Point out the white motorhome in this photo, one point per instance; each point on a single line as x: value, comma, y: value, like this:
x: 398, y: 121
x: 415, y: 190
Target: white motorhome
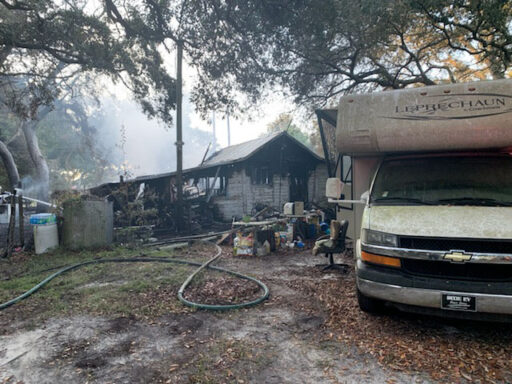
x: 428, y: 195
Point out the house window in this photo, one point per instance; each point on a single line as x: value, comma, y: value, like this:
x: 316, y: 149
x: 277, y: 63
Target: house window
x: 219, y: 188
x: 222, y: 186
x: 261, y: 175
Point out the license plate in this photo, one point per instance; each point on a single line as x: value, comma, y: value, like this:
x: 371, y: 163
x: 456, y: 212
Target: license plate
x: 457, y: 302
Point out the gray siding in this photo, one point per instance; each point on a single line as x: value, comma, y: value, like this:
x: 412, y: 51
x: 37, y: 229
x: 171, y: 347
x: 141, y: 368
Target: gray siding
x: 241, y: 195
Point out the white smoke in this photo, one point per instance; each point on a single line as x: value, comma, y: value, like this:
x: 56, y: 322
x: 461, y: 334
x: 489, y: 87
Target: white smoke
x: 148, y: 147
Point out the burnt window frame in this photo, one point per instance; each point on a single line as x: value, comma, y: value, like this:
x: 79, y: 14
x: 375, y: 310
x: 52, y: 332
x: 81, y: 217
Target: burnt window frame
x: 261, y: 176
x: 223, y: 186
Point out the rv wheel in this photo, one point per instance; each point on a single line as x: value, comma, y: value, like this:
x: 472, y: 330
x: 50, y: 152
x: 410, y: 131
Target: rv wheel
x: 368, y: 304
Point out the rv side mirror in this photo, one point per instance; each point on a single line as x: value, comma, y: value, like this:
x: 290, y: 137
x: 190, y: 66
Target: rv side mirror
x: 365, y: 197
x: 334, y: 188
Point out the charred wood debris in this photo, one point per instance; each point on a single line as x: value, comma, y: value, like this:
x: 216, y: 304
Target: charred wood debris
x: 143, y: 215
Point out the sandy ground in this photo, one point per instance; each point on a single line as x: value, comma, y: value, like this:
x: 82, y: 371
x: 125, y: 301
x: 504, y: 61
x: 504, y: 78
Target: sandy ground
x: 285, y: 340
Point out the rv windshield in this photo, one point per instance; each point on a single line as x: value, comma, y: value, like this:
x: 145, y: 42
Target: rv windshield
x: 455, y: 180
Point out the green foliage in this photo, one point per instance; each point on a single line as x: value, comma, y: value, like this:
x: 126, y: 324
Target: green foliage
x: 67, y: 141
x: 58, y: 39
x: 12, y: 136
x: 319, y: 49
x: 8, y: 130
x: 315, y: 49
x: 285, y: 123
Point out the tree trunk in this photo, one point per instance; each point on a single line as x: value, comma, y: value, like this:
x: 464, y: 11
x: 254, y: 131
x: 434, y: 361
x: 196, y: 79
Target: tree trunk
x: 42, y: 178
x: 10, y: 165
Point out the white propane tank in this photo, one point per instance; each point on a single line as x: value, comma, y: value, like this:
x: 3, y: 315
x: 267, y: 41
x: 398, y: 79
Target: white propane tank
x: 288, y: 209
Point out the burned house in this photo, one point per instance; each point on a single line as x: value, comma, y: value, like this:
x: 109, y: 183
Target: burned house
x: 267, y: 171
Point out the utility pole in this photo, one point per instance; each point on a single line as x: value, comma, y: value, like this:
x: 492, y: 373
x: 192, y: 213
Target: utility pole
x: 229, y: 129
x: 214, y: 133
x: 179, y: 139
x: 21, y: 216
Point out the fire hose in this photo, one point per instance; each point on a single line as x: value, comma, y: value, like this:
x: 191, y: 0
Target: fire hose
x: 186, y: 283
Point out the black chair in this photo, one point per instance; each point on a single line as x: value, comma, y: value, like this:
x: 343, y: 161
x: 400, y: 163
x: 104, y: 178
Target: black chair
x: 338, y: 237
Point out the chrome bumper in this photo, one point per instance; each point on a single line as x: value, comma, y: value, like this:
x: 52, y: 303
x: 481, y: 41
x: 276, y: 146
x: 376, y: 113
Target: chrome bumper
x: 430, y: 298
x: 420, y: 254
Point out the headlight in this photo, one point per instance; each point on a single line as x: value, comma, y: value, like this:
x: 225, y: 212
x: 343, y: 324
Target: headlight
x: 379, y: 238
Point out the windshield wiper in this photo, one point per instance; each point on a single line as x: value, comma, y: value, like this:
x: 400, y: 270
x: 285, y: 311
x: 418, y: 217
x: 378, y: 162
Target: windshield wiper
x: 402, y: 199
x: 476, y: 201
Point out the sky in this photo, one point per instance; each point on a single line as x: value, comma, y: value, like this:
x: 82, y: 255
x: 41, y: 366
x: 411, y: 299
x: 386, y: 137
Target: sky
x: 246, y: 129
x: 252, y: 126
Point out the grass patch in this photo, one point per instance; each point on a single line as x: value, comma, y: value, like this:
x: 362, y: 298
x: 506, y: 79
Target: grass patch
x: 142, y: 288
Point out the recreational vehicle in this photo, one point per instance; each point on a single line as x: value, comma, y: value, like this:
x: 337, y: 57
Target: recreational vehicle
x: 425, y: 181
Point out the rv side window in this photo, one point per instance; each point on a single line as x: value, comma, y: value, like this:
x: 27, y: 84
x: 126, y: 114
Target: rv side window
x: 346, y: 169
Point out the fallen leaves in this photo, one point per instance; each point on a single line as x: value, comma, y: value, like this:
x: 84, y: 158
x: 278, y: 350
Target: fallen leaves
x: 450, y: 353
x: 223, y: 290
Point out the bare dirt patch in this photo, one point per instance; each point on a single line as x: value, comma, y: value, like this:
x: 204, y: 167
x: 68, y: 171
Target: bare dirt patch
x: 284, y: 340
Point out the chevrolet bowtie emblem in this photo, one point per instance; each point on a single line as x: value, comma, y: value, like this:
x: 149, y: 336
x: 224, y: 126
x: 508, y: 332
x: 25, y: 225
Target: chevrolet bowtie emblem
x: 457, y: 257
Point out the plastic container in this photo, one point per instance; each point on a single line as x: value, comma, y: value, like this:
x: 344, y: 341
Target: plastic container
x: 244, y: 245
x: 45, y: 237
x: 289, y: 232
x: 266, y: 244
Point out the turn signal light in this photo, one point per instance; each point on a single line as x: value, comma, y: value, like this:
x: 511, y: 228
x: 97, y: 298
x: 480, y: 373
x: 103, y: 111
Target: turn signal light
x: 382, y: 260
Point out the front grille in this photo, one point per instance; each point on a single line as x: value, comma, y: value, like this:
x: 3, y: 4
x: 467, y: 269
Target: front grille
x: 466, y: 271
x: 445, y: 244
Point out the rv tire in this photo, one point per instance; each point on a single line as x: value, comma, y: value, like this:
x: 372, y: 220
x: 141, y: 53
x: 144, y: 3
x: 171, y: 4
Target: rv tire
x: 369, y: 304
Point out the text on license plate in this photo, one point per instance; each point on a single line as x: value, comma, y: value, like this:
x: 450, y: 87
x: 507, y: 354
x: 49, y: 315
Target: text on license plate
x: 457, y: 302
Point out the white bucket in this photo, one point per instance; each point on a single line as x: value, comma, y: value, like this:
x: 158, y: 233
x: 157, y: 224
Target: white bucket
x: 45, y: 237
